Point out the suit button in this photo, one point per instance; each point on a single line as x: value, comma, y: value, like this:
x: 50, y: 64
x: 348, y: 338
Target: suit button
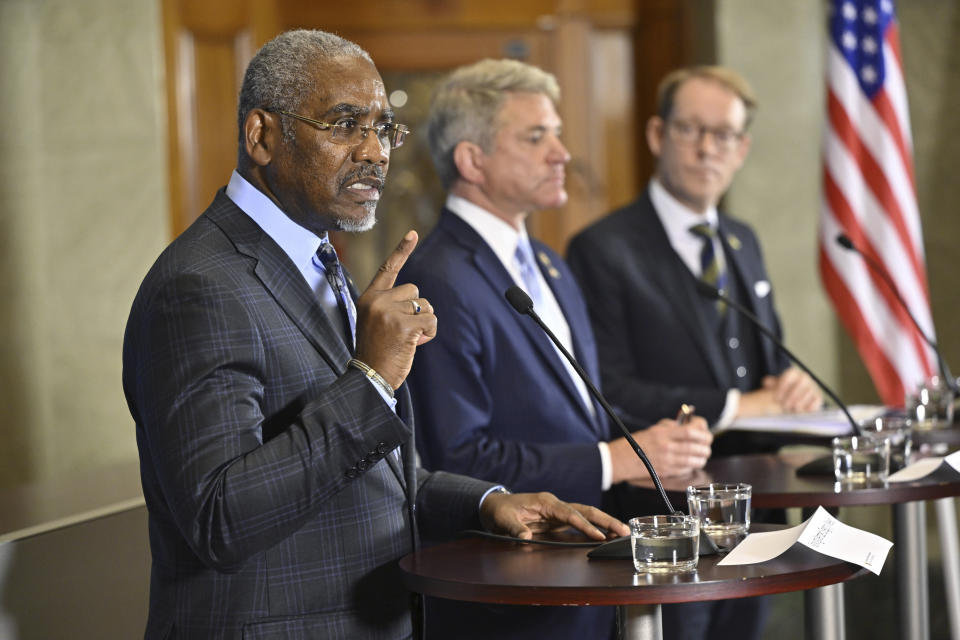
x: 382, y: 449
x: 363, y: 464
x: 351, y: 473
x: 741, y: 372
x: 734, y: 343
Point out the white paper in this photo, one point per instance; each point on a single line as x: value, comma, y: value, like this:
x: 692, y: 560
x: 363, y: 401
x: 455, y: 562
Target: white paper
x: 815, y: 423
x: 924, y: 467
x: 821, y: 532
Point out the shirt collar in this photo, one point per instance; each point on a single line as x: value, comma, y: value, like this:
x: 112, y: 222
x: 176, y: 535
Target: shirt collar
x: 297, y: 242
x: 500, y: 236
x: 676, y: 217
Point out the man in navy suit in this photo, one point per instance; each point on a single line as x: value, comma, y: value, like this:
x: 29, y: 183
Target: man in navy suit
x: 493, y: 396
x: 660, y: 342
x: 274, y: 428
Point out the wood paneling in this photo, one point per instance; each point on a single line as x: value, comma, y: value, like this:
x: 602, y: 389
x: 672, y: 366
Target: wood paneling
x: 588, y: 44
x: 208, y: 45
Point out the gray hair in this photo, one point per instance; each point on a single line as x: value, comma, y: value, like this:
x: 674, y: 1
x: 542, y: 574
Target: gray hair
x: 466, y: 104
x: 281, y: 74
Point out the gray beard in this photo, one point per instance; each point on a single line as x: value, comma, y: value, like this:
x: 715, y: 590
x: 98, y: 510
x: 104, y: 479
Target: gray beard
x: 363, y: 224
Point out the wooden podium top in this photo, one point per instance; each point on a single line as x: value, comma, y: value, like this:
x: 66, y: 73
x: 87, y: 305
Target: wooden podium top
x: 776, y: 483
x: 484, y: 570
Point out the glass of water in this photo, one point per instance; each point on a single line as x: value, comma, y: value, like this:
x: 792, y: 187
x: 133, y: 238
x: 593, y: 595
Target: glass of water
x: 930, y: 405
x: 861, y: 460
x: 899, y: 431
x: 665, y: 544
x: 723, y: 510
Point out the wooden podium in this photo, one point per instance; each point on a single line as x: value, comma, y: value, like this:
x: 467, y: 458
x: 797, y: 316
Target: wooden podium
x: 493, y: 571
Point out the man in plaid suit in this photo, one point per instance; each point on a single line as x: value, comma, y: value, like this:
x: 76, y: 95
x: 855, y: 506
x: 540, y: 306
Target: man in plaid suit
x: 275, y: 433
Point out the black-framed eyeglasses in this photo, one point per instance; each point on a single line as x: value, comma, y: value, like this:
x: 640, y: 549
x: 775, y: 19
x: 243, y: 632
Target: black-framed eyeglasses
x: 686, y: 132
x: 350, y: 132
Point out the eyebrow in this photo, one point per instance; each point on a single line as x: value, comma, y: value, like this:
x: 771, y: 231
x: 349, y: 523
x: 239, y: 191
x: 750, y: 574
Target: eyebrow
x: 542, y: 128
x: 353, y: 110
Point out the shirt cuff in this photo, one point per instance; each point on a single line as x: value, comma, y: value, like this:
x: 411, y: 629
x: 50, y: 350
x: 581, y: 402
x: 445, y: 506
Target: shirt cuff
x: 390, y: 400
x: 606, y: 466
x: 730, y: 409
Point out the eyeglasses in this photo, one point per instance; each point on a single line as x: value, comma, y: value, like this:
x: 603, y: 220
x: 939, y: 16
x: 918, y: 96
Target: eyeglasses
x: 725, y: 138
x: 350, y: 132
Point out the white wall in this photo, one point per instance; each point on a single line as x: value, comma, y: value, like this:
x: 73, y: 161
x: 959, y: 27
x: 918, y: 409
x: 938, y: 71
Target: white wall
x: 83, y: 213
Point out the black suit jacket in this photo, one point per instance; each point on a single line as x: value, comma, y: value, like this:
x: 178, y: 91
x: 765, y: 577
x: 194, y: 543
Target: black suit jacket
x: 276, y: 509
x: 656, y: 347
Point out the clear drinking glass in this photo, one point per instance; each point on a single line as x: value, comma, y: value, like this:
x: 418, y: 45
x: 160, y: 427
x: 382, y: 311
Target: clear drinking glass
x: 861, y: 460
x: 930, y: 405
x: 665, y: 544
x: 723, y: 510
x: 899, y: 431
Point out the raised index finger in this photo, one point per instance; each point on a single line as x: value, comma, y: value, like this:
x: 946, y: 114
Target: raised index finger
x: 386, y: 275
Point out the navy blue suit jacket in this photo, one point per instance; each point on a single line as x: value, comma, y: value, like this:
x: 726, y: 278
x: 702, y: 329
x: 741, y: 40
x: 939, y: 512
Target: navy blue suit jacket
x: 275, y: 507
x: 493, y: 400
x: 653, y: 338
x: 491, y: 396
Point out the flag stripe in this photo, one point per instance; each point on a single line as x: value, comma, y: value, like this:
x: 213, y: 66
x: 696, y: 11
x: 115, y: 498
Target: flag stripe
x: 859, y: 115
x: 845, y: 219
x: 869, y: 193
x: 889, y: 385
x: 869, y: 216
x: 876, y: 178
x: 893, y: 340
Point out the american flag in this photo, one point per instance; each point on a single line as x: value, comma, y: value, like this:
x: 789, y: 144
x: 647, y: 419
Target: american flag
x: 869, y: 193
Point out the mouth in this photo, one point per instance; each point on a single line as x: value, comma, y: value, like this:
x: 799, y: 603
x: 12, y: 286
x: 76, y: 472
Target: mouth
x: 365, y: 187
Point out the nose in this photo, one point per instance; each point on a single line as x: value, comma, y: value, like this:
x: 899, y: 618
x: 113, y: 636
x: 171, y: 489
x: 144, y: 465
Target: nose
x: 707, y: 147
x: 558, y: 152
x: 371, y: 149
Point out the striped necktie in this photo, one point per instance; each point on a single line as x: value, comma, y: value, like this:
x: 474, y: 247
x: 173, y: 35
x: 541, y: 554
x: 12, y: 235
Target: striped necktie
x: 334, y: 273
x: 711, y: 271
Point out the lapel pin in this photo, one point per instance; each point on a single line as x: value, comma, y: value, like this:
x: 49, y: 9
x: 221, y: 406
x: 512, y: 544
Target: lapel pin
x: 734, y: 241
x: 548, y: 265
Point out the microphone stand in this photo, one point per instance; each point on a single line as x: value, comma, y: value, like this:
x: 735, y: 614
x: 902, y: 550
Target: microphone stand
x: 707, y: 291
x: 523, y: 305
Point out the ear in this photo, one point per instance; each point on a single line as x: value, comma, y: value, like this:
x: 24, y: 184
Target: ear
x: 743, y: 149
x: 655, y: 131
x: 261, y: 135
x: 470, y: 161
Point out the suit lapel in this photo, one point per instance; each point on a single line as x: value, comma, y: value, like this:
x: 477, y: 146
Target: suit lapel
x: 564, y: 291
x: 283, y: 281
x: 677, y: 286
x: 493, y: 271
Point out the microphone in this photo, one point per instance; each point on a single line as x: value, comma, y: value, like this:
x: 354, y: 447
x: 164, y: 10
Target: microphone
x: 523, y: 305
x: 710, y: 292
x: 844, y: 241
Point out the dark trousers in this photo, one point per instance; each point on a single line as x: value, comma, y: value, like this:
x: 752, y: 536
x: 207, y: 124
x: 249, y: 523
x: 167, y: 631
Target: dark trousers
x: 737, y: 619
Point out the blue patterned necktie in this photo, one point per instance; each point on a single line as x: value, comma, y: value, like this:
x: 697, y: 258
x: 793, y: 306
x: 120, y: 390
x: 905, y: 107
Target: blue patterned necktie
x: 528, y: 272
x: 334, y: 274
x: 710, y: 269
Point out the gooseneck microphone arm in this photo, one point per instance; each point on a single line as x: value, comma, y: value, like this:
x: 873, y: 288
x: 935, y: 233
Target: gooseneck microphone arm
x: 709, y: 292
x: 844, y: 241
x: 523, y: 305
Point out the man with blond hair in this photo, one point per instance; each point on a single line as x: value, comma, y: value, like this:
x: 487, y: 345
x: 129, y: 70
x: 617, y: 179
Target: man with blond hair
x: 493, y: 397
x: 661, y: 343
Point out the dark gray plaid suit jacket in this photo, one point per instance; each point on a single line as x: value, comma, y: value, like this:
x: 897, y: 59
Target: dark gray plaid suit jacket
x: 276, y: 509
